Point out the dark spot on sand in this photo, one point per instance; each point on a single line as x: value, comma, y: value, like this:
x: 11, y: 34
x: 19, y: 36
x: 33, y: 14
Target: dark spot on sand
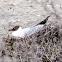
x: 3, y: 52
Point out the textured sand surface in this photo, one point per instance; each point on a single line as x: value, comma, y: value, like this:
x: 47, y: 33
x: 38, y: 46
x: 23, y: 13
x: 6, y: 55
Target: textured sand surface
x: 27, y: 13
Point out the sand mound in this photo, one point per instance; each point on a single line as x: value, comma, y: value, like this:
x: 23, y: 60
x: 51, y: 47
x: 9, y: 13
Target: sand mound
x: 43, y: 46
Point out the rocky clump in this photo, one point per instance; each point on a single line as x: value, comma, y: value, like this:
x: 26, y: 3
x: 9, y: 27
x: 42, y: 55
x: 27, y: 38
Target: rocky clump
x: 43, y: 46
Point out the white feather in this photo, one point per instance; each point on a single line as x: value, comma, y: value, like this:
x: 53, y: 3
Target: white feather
x: 27, y: 31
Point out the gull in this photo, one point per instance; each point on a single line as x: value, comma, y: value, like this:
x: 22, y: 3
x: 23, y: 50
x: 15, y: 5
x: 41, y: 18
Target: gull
x: 18, y: 31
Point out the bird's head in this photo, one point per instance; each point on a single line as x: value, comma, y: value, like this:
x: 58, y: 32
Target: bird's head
x: 14, y: 29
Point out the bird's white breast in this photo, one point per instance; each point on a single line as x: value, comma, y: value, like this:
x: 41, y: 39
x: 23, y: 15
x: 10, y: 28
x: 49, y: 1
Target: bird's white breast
x: 27, y: 31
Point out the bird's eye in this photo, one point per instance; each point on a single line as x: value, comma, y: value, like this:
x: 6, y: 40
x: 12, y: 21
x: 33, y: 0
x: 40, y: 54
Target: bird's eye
x: 14, y: 28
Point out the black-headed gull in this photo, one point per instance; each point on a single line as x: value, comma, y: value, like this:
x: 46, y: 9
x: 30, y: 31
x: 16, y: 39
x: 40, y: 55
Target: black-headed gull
x: 19, y: 32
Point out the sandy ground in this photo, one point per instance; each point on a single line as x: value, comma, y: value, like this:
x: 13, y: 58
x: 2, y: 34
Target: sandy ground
x: 27, y: 13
